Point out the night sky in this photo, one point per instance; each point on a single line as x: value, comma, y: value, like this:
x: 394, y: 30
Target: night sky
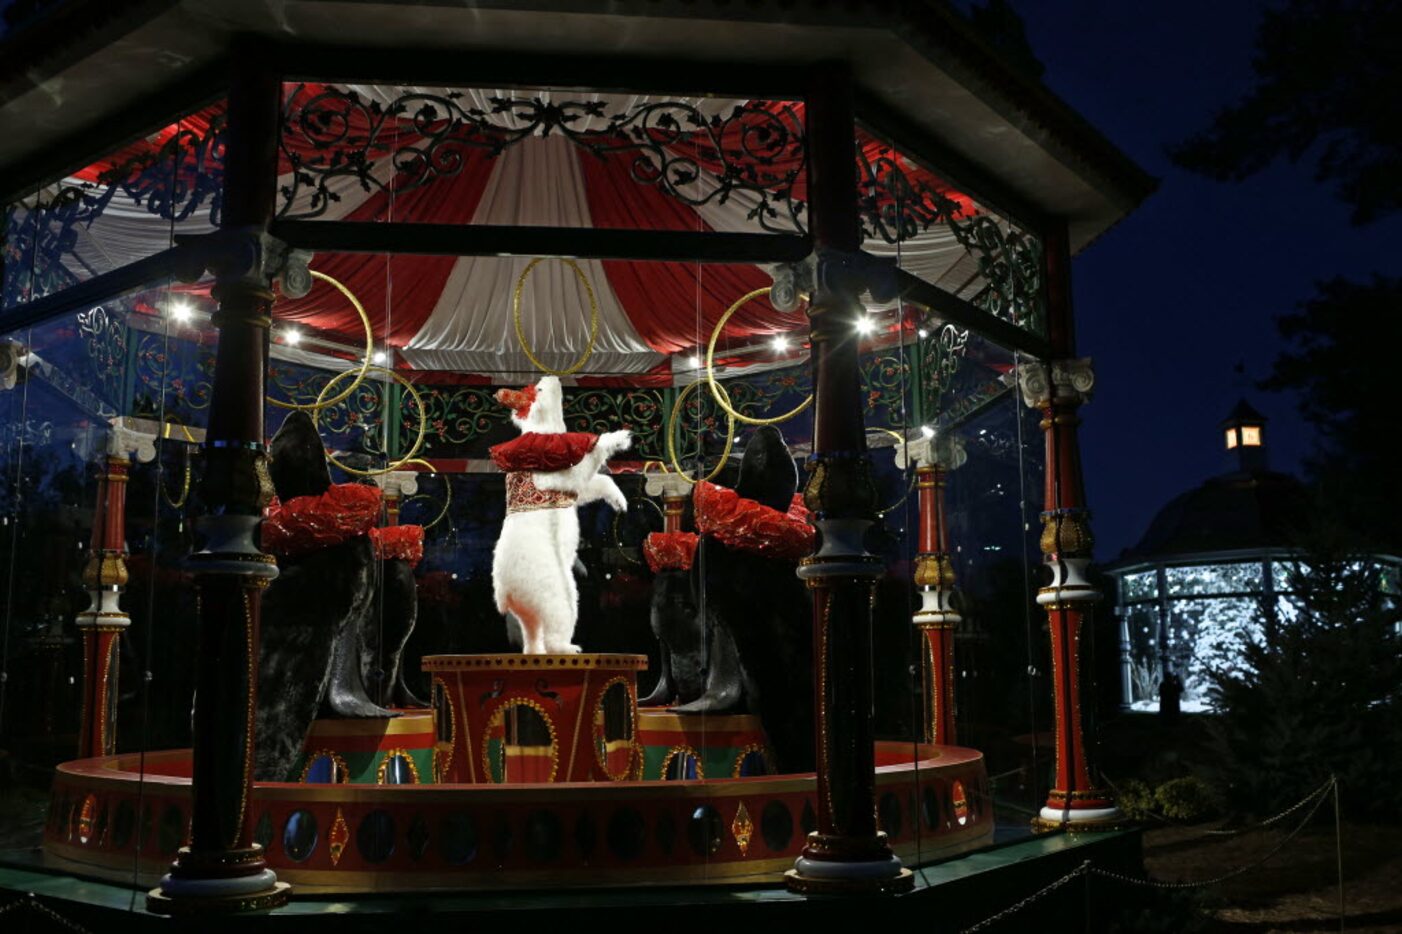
x: 1182, y: 290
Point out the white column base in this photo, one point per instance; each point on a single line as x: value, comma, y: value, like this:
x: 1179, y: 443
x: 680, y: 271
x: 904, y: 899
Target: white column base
x: 1074, y: 816
x: 174, y: 887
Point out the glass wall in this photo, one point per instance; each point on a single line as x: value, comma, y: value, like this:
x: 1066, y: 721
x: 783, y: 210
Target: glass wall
x: 452, y: 487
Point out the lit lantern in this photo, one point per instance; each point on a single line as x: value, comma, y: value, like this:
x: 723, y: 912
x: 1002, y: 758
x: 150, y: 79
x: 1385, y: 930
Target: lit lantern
x: 1244, y: 431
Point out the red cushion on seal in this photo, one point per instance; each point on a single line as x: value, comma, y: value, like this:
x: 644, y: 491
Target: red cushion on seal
x: 399, y: 541
x: 746, y: 525
x: 670, y: 551
x: 310, y: 523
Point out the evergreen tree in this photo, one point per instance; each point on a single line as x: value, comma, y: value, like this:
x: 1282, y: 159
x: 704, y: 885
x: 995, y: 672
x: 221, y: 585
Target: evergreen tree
x: 1328, y: 76
x: 1317, y: 692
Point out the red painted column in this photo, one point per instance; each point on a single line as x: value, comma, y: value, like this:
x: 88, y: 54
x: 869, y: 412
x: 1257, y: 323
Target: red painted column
x: 673, y: 507
x: 1057, y: 389
x: 396, y: 485
x: 937, y: 617
x: 105, y: 577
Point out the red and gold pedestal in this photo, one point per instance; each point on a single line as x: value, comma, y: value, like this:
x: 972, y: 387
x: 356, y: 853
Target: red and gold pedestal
x: 369, y: 751
x: 678, y: 747
x: 514, y: 719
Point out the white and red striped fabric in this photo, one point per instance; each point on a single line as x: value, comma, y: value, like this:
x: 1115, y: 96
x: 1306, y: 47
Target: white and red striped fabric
x: 454, y: 314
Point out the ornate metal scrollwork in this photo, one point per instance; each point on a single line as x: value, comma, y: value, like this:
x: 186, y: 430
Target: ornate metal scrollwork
x: 1010, y: 263
x: 940, y: 354
x: 897, y: 205
x: 172, y: 182
x: 638, y: 410
x: 894, y: 206
x: 696, y: 158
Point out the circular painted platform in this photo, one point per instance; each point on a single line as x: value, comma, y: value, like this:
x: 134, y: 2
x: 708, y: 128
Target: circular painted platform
x: 107, y: 817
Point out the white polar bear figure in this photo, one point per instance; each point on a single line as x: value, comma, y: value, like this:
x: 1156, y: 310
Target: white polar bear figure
x: 549, y: 472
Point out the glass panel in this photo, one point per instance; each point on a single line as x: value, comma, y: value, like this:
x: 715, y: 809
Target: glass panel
x: 1241, y: 577
x: 1209, y: 633
x: 123, y: 207
x: 1145, y: 662
x: 1141, y: 586
x: 946, y: 237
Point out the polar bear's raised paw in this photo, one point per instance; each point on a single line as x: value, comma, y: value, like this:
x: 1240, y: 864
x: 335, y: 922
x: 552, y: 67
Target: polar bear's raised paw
x: 614, y: 441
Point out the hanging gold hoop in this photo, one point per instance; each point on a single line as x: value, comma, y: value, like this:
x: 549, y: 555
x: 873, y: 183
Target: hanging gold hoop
x: 900, y: 439
x: 521, y: 331
x: 618, y: 539
x: 724, y: 403
x: 418, y: 442
x: 672, y: 432
x: 318, y: 405
x: 447, y: 491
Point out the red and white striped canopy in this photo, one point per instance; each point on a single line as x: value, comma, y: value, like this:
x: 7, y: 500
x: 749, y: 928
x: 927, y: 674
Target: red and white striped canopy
x: 454, y: 314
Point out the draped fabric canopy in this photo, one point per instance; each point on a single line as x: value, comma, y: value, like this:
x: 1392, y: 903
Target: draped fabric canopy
x: 455, y: 314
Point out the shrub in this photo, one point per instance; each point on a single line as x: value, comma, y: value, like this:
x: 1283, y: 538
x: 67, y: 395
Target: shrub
x: 1135, y: 799
x: 1188, y: 799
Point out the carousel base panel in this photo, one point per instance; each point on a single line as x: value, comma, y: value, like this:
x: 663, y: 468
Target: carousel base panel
x: 949, y: 896
x: 112, y: 820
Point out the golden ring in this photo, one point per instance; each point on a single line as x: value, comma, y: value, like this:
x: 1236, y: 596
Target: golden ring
x: 447, y: 491
x: 672, y: 431
x: 521, y: 332
x: 318, y: 405
x: 418, y: 442
x: 724, y: 403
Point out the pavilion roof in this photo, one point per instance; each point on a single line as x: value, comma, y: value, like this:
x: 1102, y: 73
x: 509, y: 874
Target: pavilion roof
x: 82, y: 70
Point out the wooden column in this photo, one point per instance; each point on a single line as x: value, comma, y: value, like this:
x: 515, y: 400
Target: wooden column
x: 937, y: 617
x: 105, y: 577
x: 222, y: 869
x: 846, y: 853
x: 1057, y: 389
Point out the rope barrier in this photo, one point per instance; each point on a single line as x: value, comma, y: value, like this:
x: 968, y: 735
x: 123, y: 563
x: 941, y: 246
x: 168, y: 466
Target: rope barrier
x: 1087, y: 868
x: 33, y: 904
x: 1017, y: 906
x: 1318, y: 798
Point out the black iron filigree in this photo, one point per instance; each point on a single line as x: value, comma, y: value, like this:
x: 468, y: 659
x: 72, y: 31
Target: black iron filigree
x: 755, y: 151
x: 894, y: 206
x: 1010, y: 263
x: 171, y: 181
